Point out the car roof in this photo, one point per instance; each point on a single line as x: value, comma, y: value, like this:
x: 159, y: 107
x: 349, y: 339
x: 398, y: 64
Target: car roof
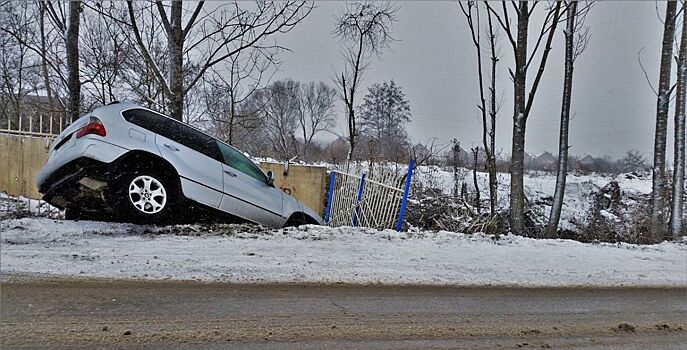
x: 123, y: 106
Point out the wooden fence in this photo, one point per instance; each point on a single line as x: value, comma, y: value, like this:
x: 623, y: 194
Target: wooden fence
x: 24, y: 142
x: 21, y: 157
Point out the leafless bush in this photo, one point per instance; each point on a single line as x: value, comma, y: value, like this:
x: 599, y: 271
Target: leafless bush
x: 615, y: 217
x: 433, y: 210
x: 17, y: 208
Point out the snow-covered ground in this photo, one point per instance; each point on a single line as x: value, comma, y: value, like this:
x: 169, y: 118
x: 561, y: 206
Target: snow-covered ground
x: 41, y: 246
x: 539, y: 189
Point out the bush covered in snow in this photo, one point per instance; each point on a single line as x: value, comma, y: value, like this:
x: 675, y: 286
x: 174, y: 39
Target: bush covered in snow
x: 597, y: 207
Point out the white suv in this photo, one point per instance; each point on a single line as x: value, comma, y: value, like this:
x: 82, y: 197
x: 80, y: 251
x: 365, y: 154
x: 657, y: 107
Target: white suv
x: 131, y: 163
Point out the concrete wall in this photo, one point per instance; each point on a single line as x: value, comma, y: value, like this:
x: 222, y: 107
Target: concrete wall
x: 304, y: 182
x: 21, y: 157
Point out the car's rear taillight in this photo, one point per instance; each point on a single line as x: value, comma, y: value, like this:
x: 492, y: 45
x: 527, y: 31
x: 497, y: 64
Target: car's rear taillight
x: 94, y: 127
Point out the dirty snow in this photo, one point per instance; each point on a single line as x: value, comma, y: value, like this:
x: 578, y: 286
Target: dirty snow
x: 243, y: 254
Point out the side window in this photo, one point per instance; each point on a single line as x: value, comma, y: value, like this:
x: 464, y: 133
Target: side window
x: 154, y: 122
x: 199, y: 142
x: 174, y: 131
x: 238, y: 161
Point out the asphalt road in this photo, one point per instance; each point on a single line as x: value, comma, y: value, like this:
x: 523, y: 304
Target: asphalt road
x: 163, y: 315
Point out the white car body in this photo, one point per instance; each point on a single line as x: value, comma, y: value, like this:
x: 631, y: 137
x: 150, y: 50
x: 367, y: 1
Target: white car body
x: 218, y: 178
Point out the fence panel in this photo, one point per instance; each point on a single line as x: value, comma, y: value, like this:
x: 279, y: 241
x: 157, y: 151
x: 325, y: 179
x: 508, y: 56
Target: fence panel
x: 24, y: 141
x: 34, y: 124
x: 376, y: 198
x: 21, y: 157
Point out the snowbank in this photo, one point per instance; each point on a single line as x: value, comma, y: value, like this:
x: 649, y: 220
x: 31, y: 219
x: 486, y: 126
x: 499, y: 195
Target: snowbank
x: 245, y: 254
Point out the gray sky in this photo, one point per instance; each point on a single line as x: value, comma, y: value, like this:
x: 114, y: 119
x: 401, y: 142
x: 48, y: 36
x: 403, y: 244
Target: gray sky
x: 433, y: 60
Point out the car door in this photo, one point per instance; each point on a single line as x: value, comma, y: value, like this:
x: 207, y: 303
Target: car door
x: 195, y: 157
x: 246, y: 186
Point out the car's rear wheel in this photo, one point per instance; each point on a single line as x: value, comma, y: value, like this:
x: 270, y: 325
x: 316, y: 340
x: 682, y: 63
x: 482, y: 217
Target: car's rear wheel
x: 73, y: 213
x: 78, y: 214
x: 145, y: 196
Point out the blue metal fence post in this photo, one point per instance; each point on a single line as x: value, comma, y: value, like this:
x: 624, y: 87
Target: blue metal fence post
x: 330, y: 196
x: 360, y: 197
x: 404, y: 201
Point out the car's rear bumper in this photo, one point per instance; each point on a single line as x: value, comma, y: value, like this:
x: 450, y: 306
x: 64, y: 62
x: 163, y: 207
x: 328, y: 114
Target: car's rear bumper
x: 89, y: 147
x: 80, y: 182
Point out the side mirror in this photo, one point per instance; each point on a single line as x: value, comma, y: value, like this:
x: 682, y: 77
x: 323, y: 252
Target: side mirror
x: 270, y: 178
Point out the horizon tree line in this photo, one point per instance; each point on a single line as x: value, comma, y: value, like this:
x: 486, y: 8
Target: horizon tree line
x: 213, y: 65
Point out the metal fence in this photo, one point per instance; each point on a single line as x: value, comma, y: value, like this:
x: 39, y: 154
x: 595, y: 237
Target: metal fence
x: 376, y: 198
x: 21, y: 207
x: 35, y: 124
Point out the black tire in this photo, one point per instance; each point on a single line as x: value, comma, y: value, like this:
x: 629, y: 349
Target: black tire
x: 143, y: 207
x: 73, y: 213
x: 78, y: 214
x: 299, y: 219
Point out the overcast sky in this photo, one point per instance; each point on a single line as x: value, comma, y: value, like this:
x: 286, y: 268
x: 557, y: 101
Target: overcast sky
x: 433, y: 60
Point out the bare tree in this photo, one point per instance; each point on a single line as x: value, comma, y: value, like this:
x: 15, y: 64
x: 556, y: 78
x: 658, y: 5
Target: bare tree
x: 208, y: 38
x: 522, y: 101
x: 488, y: 114
x: 634, y: 161
x: 225, y: 89
x: 455, y: 164
x: 139, y: 75
x: 363, y: 30
x: 42, y: 52
x: 281, y: 115
x: 576, y: 40
x: 679, y: 144
x: 73, y: 80
x: 494, y: 106
x: 315, y: 112
x: 13, y: 61
x: 103, y: 54
x: 53, y: 47
x: 475, y: 155
x: 658, y: 192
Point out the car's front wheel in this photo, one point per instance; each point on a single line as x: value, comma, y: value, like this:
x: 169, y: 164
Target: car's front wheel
x: 145, y: 197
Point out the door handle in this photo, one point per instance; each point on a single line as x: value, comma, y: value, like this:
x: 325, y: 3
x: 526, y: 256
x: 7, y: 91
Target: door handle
x: 171, y: 147
x: 229, y: 173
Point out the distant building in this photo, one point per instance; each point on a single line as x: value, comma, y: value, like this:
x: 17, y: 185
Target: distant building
x: 545, y: 161
x: 587, y: 164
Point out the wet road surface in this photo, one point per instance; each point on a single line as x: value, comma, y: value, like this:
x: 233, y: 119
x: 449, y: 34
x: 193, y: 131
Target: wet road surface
x: 161, y: 315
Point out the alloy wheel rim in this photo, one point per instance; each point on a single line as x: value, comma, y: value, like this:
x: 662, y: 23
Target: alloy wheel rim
x: 147, y: 194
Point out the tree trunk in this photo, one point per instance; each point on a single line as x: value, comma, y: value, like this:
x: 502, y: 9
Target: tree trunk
x: 491, y: 155
x: 72, y: 46
x: 559, y: 193
x: 679, y: 144
x: 475, y: 154
x: 231, y: 119
x: 456, y: 162
x: 658, y: 202
x: 517, y: 195
x: 175, y: 42
x: 44, y: 53
x: 351, y: 131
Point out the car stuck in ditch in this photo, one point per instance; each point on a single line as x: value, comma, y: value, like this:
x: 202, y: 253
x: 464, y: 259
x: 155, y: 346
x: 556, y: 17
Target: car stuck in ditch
x: 130, y: 163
